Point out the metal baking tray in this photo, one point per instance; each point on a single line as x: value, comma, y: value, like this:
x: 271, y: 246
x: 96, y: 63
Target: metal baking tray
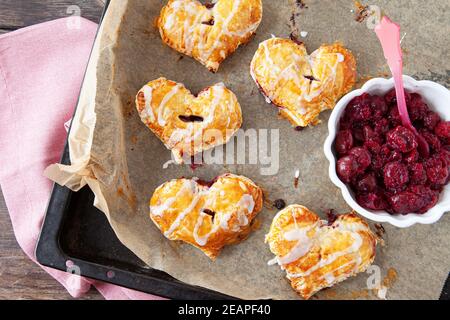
x: 74, y: 230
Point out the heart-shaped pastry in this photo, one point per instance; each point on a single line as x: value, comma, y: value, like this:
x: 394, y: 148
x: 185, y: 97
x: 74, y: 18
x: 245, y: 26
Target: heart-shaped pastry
x: 207, y: 216
x: 209, y: 33
x: 185, y: 123
x: 317, y: 254
x: 302, y: 85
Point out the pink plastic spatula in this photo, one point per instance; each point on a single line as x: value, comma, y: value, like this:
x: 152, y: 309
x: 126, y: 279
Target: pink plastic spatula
x: 389, y: 34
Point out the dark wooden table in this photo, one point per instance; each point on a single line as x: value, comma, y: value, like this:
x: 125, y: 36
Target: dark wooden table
x: 20, y: 278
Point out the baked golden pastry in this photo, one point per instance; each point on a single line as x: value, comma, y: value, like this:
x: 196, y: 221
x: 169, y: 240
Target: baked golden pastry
x: 209, y: 33
x: 185, y: 123
x: 302, y: 85
x: 317, y: 254
x: 207, y: 217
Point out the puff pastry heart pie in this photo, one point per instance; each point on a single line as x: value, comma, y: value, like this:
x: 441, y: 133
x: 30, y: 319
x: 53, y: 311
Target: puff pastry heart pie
x: 317, y: 254
x: 185, y: 123
x: 209, y: 33
x: 302, y: 85
x: 208, y: 217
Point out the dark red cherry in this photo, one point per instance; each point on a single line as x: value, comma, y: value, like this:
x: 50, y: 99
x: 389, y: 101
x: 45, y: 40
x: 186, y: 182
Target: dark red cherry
x: 411, y: 157
x: 363, y: 158
x: 442, y: 131
x: 396, y: 176
x: 372, y: 201
x: 406, y: 202
x: 401, y: 139
x: 347, y: 168
x: 431, y: 120
x: 367, y: 184
x: 437, y: 171
x: 344, y: 141
x: 418, y: 174
x: 433, y: 140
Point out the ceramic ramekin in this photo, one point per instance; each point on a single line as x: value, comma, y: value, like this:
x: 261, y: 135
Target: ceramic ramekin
x: 438, y: 99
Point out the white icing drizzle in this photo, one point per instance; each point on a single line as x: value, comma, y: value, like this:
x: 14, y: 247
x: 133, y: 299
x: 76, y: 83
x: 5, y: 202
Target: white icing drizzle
x: 243, y: 186
x: 171, y: 18
x: 301, y: 248
x: 188, y: 134
x: 185, y: 32
x: 305, y: 244
x: 165, y: 100
x: 147, y: 113
x: 354, y: 248
x: 201, y: 42
x: 273, y: 66
x: 288, y: 74
x: 309, y: 90
x: 201, y: 241
x: 218, y: 91
x: 245, y: 203
x: 329, y: 278
x: 178, y: 135
x: 293, y: 115
x: 193, y: 21
x: 329, y: 81
x: 182, y: 215
x: 168, y: 163
x: 244, y: 32
x: 189, y: 27
x: 224, y: 29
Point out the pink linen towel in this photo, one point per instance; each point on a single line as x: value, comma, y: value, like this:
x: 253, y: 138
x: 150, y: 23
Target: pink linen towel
x: 41, y: 71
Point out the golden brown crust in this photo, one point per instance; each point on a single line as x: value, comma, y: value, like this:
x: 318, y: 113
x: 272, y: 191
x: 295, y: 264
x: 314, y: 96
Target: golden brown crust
x: 167, y: 107
x: 208, y: 218
x: 317, y: 255
x: 302, y: 85
x: 209, y: 35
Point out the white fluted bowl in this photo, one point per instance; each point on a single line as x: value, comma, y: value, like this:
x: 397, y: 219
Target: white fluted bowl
x: 438, y: 99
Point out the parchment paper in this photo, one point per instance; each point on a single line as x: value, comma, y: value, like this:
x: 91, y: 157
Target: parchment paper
x: 122, y: 161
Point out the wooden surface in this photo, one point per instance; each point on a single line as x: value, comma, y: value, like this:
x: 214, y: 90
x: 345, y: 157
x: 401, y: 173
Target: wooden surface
x: 20, y: 278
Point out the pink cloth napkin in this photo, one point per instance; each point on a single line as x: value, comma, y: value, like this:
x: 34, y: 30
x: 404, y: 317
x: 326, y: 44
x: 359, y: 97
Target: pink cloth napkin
x: 41, y: 71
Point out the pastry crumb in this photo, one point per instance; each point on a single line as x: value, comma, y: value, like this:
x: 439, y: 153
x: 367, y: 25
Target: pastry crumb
x: 296, y: 178
x: 362, y: 12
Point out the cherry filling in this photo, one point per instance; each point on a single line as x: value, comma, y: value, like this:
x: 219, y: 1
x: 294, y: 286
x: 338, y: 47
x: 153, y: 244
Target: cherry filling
x: 210, y: 22
x: 378, y: 156
x: 191, y: 118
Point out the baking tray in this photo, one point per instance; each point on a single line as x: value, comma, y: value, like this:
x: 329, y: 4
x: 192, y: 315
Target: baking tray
x: 74, y: 230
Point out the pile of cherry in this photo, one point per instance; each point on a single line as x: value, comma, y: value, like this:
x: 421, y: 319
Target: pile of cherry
x: 379, y: 158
